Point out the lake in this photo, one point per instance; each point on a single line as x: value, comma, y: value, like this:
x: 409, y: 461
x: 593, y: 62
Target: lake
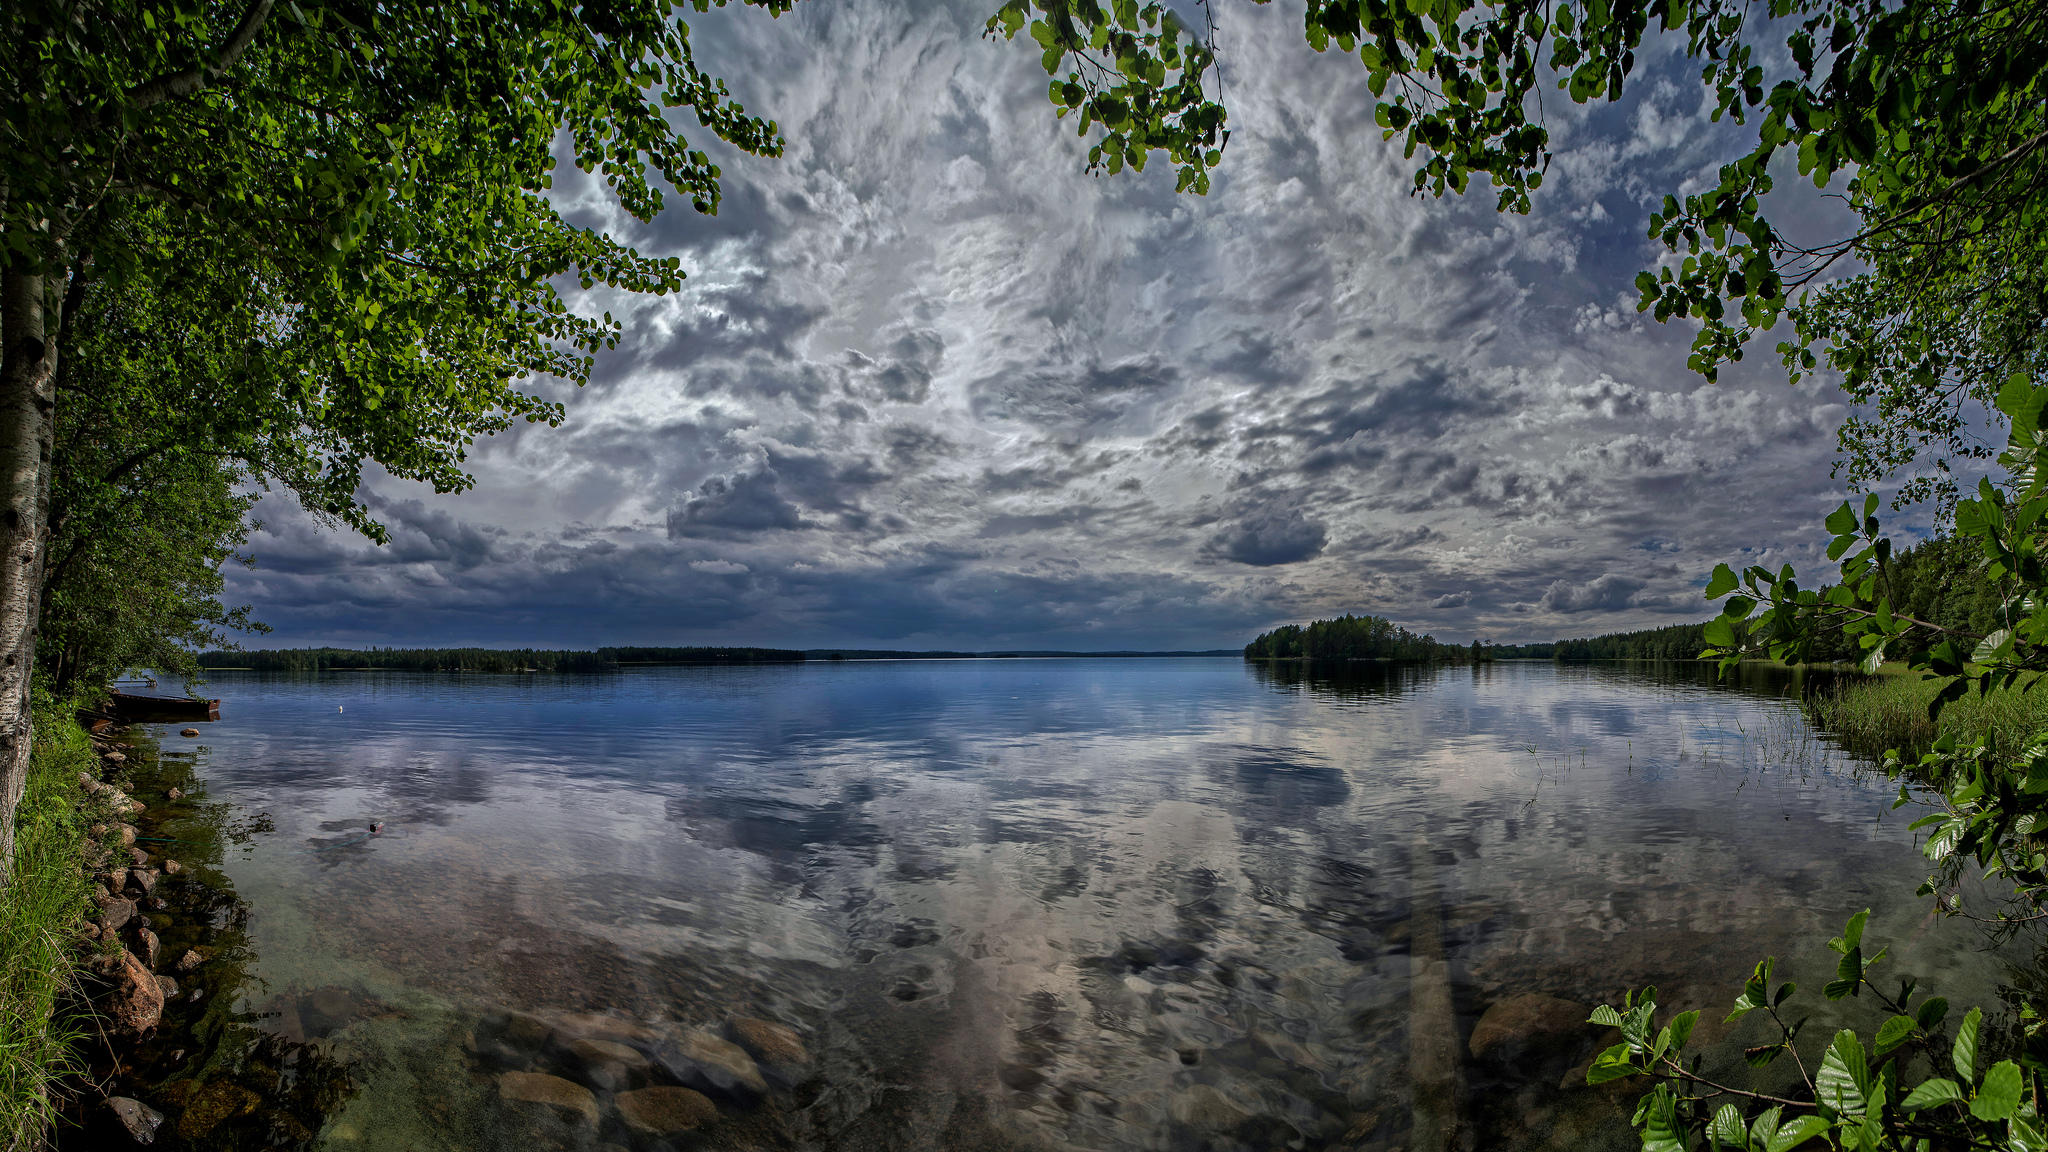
x: 1033, y: 904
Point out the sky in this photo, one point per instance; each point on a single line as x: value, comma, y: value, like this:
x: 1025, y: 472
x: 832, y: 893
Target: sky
x: 930, y: 385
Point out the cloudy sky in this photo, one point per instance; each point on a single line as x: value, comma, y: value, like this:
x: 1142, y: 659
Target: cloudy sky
x: 930, y: 385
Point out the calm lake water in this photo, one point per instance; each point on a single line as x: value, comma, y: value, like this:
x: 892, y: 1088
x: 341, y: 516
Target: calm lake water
x: 1075, y: 904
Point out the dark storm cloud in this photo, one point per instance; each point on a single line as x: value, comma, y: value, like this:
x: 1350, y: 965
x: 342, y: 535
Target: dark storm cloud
x: 1604, y: 593
x: 929, y: 383
x: 1270, y: 536
x: 744, y: 502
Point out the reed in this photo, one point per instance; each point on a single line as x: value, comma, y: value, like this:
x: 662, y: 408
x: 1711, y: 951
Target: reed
x: 1881, y: 713
x: 40, y: 910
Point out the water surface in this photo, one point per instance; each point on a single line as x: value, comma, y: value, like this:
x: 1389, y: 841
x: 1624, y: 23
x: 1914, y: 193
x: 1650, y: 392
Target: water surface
x: 1086, y: 904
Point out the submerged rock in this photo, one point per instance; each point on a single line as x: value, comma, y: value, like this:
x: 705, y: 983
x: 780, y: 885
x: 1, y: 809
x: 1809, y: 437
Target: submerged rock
x: 664, y: 1111
x: 699, y: 1059
x: 143, y: 881
x: 191, y: 960
x: 605, y: 1065
x: 601, y: 1027
x: 172, y: 867
x: 330, y: 1009
x: 1525, y: 1025
x: 213, y: 1105
x: 148, y: 947
x: 769, y: 1042
x: 564, y: 1097
x: 138, y: 1121
x: 188, y: 731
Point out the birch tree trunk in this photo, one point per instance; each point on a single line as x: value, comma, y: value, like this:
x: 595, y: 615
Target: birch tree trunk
x: 28, y: 364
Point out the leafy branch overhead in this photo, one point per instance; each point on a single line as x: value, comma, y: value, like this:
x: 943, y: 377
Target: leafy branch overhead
x: 1926, y: 116
x: 377, y: 179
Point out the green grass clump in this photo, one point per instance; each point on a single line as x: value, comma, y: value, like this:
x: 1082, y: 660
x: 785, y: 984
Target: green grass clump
x: 40, y: 909
x: 1876, y: 714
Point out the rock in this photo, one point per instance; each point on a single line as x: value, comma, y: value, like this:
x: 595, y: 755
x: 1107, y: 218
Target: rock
x: 113, y: 882
x: 565, y: 1098
x: 143, y: 880
x: 769, y: 1042
x: 138, y: 1120
x: 134, y: 1002
x: 329, y: 1009
x: 137, y: 857
x: 190, y: 961
x: 90, y: 933
x: 602, y: 1027
x: 217, y: 1102
x: 128, y: 835
x: 114, y: 758
x: 188, y: 732
x: 115, y: 913
x: 1526, y: 1025
x: 664, y: 1111
x: 169, y: 986
x: 1207, y: 1110
x: 699, y: 1059
x: 172, y: 867
x: 148, y: 948
x: 175, y: 794
x: 98, y: 831
x: 605, y: 1065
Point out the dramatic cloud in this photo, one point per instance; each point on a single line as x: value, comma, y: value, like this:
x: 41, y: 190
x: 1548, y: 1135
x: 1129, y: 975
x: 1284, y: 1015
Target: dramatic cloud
x: 929, y: 384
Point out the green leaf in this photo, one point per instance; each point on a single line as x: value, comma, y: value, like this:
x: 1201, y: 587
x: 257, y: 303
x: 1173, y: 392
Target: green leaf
x: 1843, y: 1081
x: 1722, y: 582
x: 1896, y: 1031
x: 1999, y: 1096
x: 1797, y: 1132
x: 1726, y: 1130
x: 1662, y: 1131
x: 1965, y: 1052
x: 1931, y: 1012
x: 1613, y: 1064
x: 1842, y: 521
x: 1931, y: 1093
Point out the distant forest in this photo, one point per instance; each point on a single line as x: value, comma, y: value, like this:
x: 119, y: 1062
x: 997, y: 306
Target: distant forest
x: 1940, y: 581
x: 483, y: 659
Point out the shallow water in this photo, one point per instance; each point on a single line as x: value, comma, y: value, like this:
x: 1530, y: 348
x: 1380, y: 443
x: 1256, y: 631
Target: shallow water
x: 1089, y: 904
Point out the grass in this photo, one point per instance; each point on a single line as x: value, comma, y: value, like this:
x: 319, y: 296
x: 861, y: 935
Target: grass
x: 1874, y: 715
x: 39, y: 911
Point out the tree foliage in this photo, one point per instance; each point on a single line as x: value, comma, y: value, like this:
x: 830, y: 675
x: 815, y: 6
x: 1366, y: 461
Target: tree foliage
x: 1351, y: 638
x: 1930, y: 117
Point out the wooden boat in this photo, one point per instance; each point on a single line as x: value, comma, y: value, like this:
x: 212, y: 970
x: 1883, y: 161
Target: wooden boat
x: 135, y: 706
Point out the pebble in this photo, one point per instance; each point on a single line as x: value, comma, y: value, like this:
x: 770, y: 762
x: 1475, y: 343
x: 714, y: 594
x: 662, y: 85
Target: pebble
x: 702, y: 1060
x: 137, y: 1119
x: 188, y: 732
x: 564, y: 1097
x: 172, y: 867
x: 664, y: 1111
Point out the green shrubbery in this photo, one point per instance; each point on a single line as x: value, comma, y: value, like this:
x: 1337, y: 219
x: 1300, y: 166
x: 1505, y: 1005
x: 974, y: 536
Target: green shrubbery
x: 40, y: 910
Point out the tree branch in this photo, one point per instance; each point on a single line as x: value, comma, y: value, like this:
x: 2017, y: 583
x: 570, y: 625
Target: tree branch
x: 175, y: 84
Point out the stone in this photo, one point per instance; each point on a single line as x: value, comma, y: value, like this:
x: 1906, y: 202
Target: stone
x: 1207, y: 1110
x: 664, y: 1111
x: 137, y: 857
x: 148, y: 948
x: 564, y: 1097
x: 128, y: 835
x: 175, y: 794
x: 172, y: 867
x: 699, y: 1059
x: 525, y: 1030
x: 214, y: 1104
x: 115, y: 913
x: 134, y: 1002
x: 1526, y: 1025
x: 605, y: 1065
x: 143, y: 880
x: 114, y: 758
x: 602, y: 1027
x: 329, y: 1009
x: 768, y: 1041
x: 188, y: 732
x: 186, y: 963
x: 134, y: 1118
x: 169, y: 986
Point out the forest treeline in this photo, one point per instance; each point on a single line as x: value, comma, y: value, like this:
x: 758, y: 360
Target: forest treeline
x: 483, y: 659
x: 1939, y: 581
